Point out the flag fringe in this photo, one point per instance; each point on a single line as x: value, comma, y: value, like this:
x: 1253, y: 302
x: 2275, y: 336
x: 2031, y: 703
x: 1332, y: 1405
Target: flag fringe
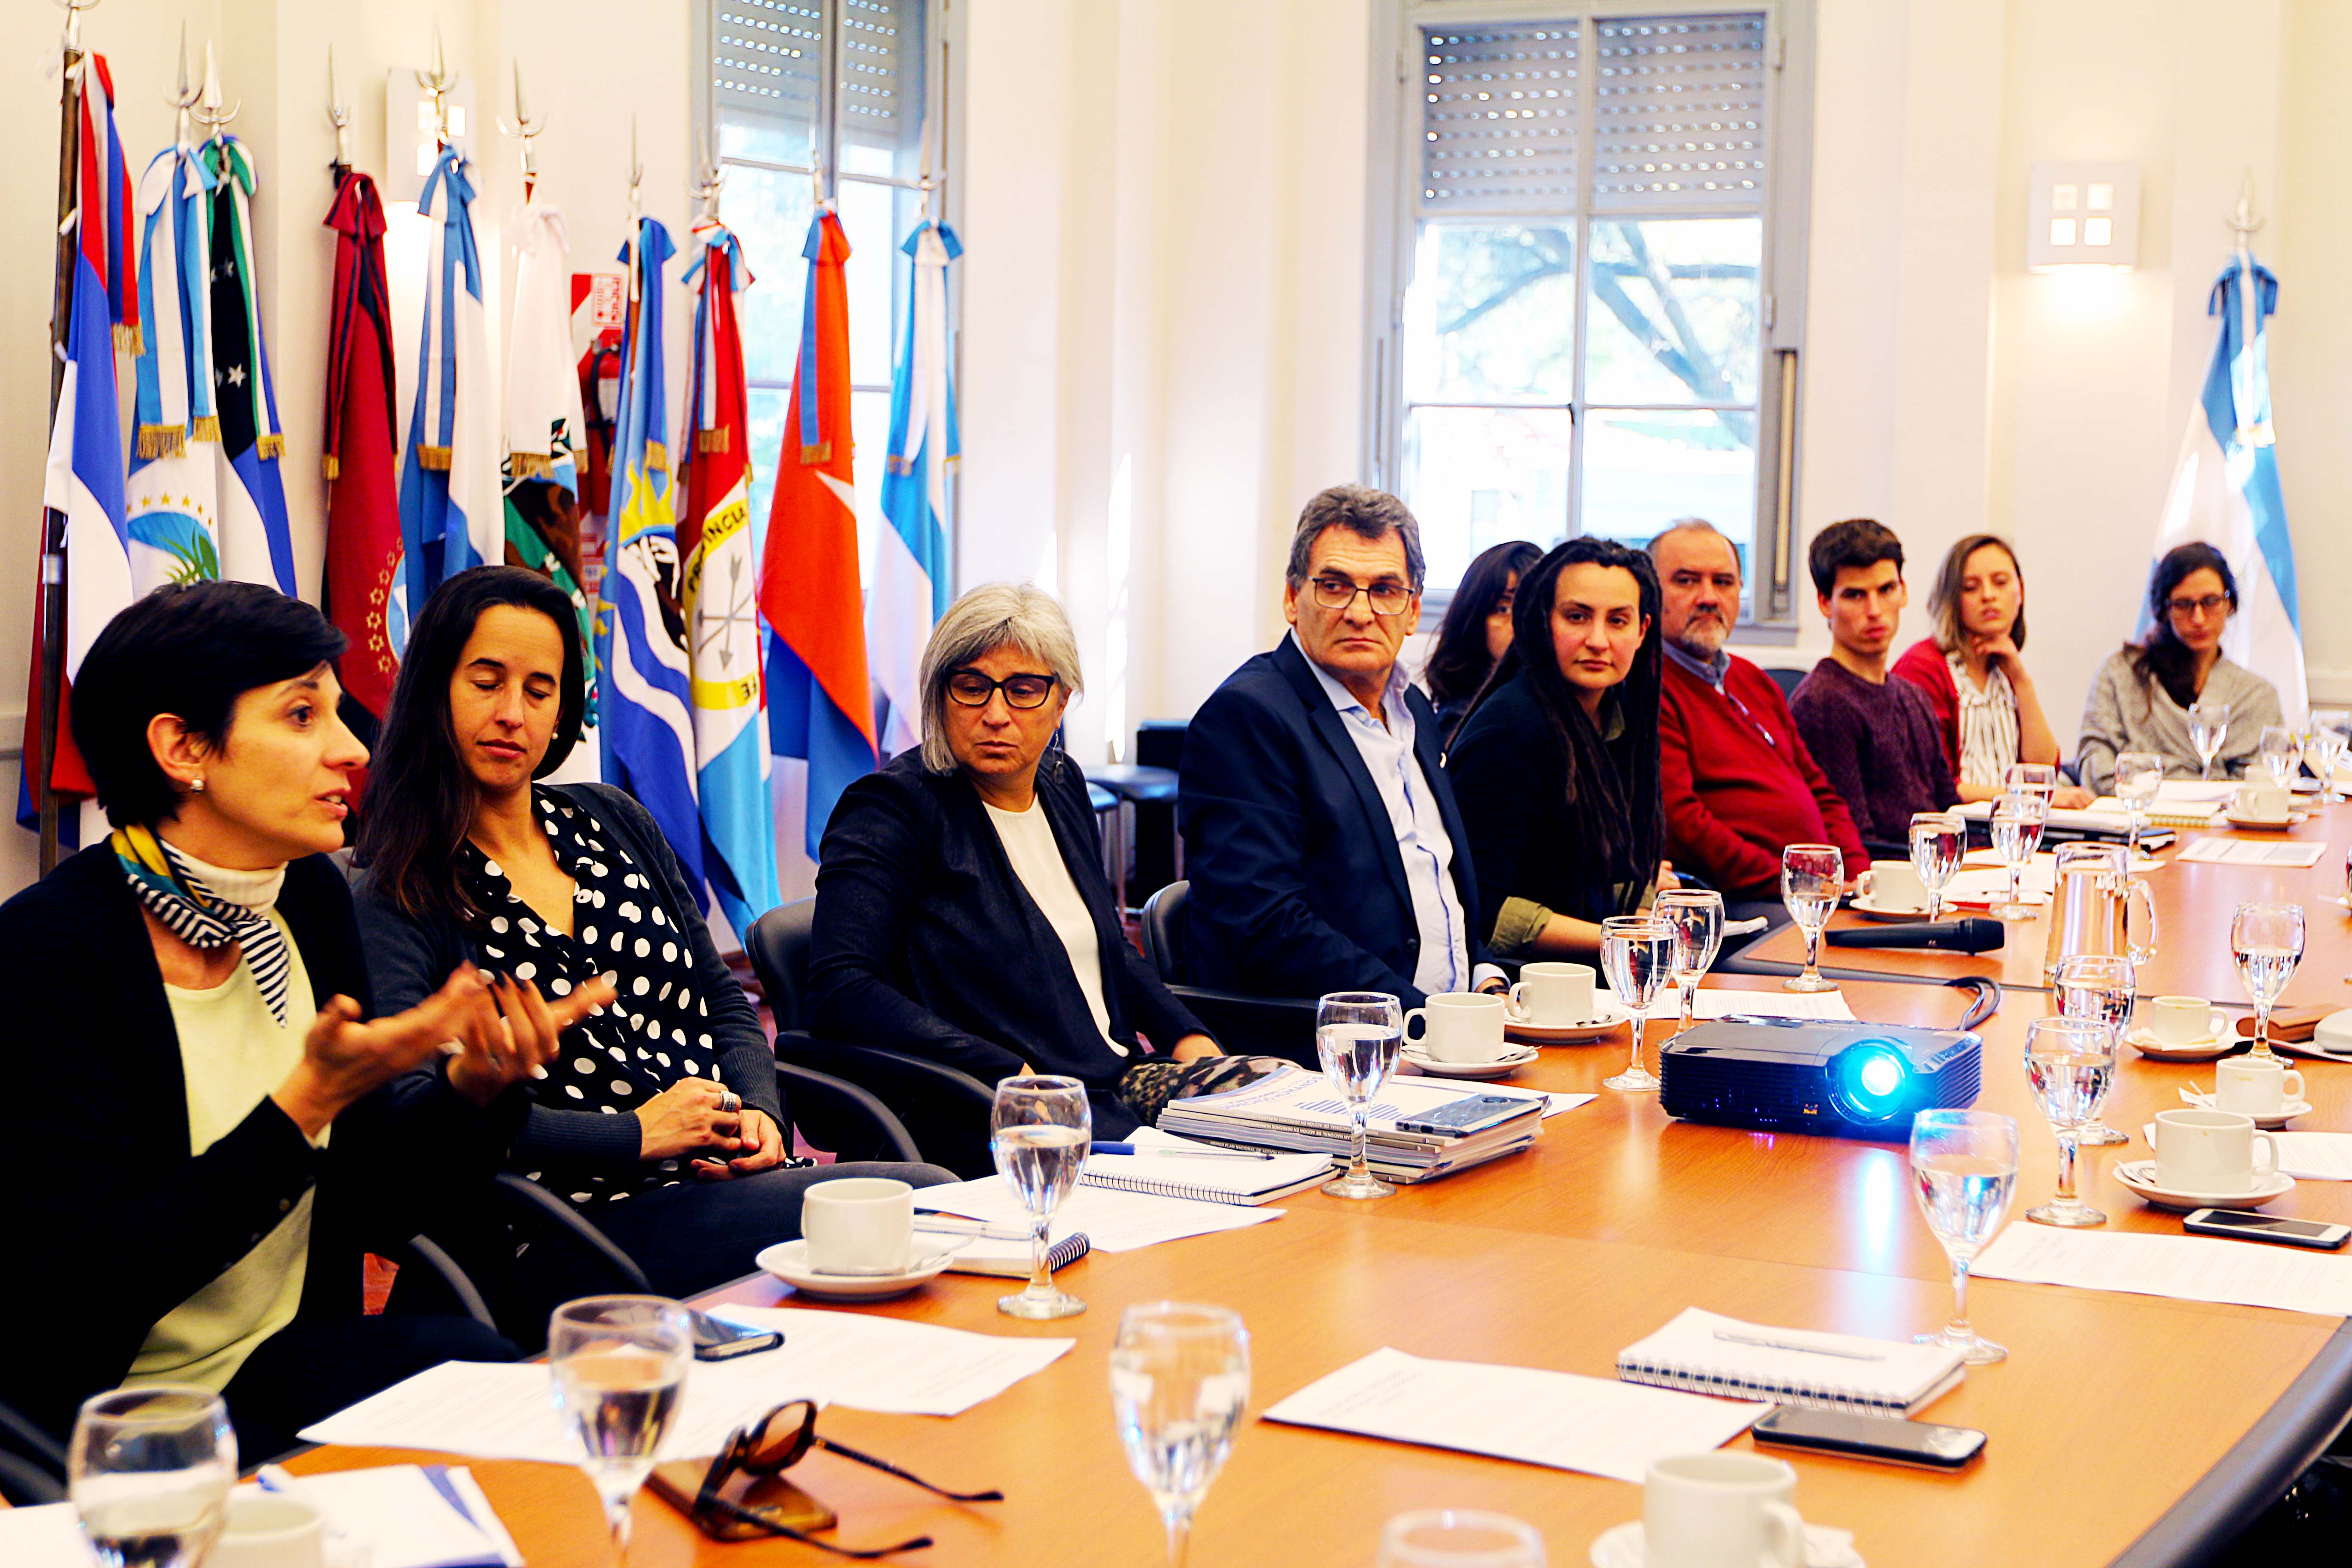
x: 128, y: 339
x: 529, y: 465
x: 207, y: 428
x: 657, y: 458
x: 722, y: 439
x: 331, y: 466
x: 268, y: 447
x: 820, y: 453
x: 436, y: 458
x: 900, y: 465
x: 162, y: 441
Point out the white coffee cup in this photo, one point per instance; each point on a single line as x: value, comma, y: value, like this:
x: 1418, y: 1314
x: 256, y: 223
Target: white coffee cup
x: 2182, y: 1020
x: 2263, y: 802
x: 2210, y: 1151
x: 859, y: 1225
x: 1721, y: 1509
x: 269, y: 1530
x: 1895, y: 885
x: 2254, y: 1086
x: 1459, y: 1027
x: 1554, y: 995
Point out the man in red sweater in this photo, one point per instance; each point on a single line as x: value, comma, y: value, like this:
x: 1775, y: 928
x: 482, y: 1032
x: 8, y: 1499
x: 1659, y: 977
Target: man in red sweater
x: 1739, y: 785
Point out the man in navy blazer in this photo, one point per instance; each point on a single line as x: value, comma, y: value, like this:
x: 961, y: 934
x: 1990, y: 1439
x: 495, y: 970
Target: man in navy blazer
x: 1320, y: 835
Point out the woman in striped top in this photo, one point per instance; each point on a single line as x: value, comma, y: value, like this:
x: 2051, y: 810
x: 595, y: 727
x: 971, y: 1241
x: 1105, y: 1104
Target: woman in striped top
x: 1973, y: 673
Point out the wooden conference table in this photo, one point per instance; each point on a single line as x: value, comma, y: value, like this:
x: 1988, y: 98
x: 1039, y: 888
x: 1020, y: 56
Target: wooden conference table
x: 2117, y: 1420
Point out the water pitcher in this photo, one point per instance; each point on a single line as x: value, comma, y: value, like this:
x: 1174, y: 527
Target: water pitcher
x: 2098, y: 907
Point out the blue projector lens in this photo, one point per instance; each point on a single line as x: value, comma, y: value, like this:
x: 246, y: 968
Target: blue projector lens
x: 1870, y: 1080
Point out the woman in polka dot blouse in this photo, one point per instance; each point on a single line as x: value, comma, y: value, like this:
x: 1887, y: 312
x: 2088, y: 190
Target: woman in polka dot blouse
x: 662, y: 1122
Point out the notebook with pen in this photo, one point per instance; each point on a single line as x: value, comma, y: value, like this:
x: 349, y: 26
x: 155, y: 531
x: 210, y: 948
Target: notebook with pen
x: 1171, y: 1167
x: 1704, y: 1352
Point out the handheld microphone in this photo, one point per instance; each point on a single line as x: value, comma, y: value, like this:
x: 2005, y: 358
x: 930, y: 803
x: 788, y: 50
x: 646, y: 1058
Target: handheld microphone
x: 1973, y: 934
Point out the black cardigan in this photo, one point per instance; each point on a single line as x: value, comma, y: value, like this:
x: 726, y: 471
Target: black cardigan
x: 926, y: 942
x: 113, y: 1222
x: 410, y: 958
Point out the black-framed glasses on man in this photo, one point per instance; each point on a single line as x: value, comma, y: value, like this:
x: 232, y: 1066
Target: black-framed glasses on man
x: 763, y: 1451
x: 2205, y: 606
x: 972, y: 689
x: 1388, y: 597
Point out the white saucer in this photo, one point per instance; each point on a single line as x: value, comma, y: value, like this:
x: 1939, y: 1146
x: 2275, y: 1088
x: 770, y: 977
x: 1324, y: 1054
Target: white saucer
x: 2331, y: 1042
x: 2265, y: 824
x: 2204, y: 1050
x: 1501, y: 1066
x: 2269, y: 1120
x: 1825, y: 1547
x: 1867, y: 906
x: 788, y: 1261
x: 1611, y: 1016
x: 2139, y: 1175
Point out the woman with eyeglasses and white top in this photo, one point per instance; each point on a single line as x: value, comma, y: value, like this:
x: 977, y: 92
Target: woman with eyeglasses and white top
x: 2141, y: 698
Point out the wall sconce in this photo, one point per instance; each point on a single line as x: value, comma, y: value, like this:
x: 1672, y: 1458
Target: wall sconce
x: 409, y: 131
x: 2082, y: 215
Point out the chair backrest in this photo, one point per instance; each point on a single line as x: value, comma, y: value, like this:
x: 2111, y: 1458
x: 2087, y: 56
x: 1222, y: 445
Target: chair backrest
x: 1788, y: 680
x: 941, y: 1111
x: 1163, y: 931
x: 778, y: 947
x: 842, y: 1119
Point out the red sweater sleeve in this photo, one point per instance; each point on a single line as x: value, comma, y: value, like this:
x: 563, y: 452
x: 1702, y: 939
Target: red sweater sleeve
x: 1713, y: 849
x: 1923, y: 666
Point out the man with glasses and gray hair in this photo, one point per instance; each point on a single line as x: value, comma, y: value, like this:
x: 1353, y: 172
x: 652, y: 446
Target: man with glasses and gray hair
x: 1320, y: 833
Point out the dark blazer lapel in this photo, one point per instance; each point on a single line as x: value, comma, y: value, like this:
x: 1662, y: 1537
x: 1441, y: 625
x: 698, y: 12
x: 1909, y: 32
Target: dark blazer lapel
x: 155, y: 1083
x: 1038, y: 936
x: 1325, y: 722
x: 1082, y: 855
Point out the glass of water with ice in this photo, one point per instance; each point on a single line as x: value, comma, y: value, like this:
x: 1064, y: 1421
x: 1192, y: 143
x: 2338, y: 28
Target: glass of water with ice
x: 1180, y: 1378
x: 1964, y: 1172
x: 1356, y: 1034
x: 149, y: 1471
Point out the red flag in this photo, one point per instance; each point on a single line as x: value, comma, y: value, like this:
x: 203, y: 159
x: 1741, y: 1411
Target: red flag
x: 363, y: 484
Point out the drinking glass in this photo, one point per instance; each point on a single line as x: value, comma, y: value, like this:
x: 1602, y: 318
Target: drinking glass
x: 1938, y: 840
x: 2016, y: 835
x: 1180, y: 1376
x: 1964, y: 1172
x: 2070, y: 1065
x: 2329, y: 733
x: 1697, y: 915
x: 2032, y: 778
x: 2209, y: 726
x: 620, y: 1365
x: 1357, y: 1035
x: 2098, y: 987
x: 149, y: 1471
x: 2281, y: 753
x: 1812, y: 877
x: 1459, y: 1538
x: 2139, y: 775
x: 1038, y: 1130
x: 2267, y: 942
x: 1637, y: 954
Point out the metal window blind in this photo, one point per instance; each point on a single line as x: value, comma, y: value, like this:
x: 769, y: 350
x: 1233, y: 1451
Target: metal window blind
x: 882, y: 72
x: 1500, y: 112
x: 767, y: 57
x: 1678, y: 113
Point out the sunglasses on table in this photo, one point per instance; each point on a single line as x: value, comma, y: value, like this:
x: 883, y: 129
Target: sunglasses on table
x: 772, y: 1445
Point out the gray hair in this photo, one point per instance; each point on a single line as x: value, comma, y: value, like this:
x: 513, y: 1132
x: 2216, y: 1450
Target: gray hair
x: 992, y: 615
x: 1366, y: 512
x: 1697, y: 525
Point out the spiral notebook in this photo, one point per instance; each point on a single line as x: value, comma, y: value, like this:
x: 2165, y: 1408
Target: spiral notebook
x: 1702, y: 1353
x: 1171, y: 1167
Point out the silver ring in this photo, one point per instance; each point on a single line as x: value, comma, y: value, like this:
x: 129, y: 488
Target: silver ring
x: 730, y: 1101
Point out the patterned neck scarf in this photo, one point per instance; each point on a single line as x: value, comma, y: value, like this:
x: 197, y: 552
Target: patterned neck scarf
x: 210, y: 906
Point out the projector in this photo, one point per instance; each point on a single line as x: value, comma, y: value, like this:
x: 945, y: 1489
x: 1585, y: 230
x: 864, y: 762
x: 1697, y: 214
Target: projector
x: 1790, y: 1075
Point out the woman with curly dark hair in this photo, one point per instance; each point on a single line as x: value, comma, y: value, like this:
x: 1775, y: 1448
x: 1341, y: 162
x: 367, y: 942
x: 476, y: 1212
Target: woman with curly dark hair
x: 1476, y: 631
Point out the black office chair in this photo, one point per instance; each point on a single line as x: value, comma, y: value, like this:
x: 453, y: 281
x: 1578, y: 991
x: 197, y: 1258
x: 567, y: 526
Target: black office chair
x: 1788, y: 680
x: 1254, y: 1025
x: 32, y: 1462
x: 476, y: 1262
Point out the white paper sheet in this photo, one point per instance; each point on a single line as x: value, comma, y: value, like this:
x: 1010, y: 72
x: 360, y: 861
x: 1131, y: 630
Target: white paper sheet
x: 2186, y: 1268
x: 1115, y: 1221
x: 1822, y: 1005
x: 404, y: 1520
x: 2293, y: 854
x: 2317, y: 1156
x: 508, y: 1411
x: 48, y: 1536
x: 1597, y: 1426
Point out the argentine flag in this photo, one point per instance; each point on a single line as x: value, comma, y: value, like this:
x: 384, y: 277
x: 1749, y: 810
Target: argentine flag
x: 2225, y: 488
x: 910, y: 560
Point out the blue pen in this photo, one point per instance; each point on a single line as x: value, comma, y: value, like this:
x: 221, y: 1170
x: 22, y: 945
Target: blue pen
x: 1179, y: 1153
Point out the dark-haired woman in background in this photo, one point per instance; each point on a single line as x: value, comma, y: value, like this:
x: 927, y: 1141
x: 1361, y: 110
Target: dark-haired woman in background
x: 186, y: 1001
x: 663, y: 1122
x: 1476, y: 631
x: 2140, y: 700
x: 1555, y: 769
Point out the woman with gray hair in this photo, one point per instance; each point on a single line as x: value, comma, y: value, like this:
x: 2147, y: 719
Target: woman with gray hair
x: 961, y: 911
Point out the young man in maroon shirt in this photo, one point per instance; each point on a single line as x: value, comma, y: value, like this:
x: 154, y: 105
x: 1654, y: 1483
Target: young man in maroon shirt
x: 1739, y: 783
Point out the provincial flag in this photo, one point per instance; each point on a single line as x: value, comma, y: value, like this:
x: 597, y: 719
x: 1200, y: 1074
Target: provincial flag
x: 449, y: 516
x: 649, y: 706
x: 256, y: 545
x: 171, y: 509
x: 910, y: 562
x: 820, y: 705
x: 362, y: 567
x: 722, y: 600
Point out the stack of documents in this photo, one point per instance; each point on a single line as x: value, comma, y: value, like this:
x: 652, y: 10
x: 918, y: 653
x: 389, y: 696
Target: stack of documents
x: 1113, y: 1221
x: 1298, y: 1111
x: 1701, y: 1352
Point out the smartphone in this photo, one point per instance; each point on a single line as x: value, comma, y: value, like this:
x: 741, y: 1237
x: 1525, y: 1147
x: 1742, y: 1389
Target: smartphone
x: 1889, y: 1439
x: 1470, y: 1113
x: 2246, y: 1226
x: 715, y: 1338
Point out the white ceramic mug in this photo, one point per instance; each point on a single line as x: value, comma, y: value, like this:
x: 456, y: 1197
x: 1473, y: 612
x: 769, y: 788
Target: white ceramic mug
x: 2181, y: 1020
x: 1553, y: 995
x: 1459, y: 1027
x: 2210, y: 1151
x: 1894, y: 885
x: 2254, y: 1086
x: 859, y: 1225
x: 2263, y: 802
x: 269, y: 1530
x: 1721, y: 1509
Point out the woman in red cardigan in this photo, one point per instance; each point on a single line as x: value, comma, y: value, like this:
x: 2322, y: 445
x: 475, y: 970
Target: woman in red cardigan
x: 1973, y: 675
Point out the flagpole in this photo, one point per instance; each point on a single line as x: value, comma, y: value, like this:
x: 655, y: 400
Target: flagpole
x: 53, y: 521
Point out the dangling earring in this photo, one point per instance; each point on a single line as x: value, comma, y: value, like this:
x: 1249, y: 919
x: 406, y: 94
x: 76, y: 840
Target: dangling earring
x: 197, y: 785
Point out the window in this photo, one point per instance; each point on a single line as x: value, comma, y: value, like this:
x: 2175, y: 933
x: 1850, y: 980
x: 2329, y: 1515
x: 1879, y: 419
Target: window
x: 839, y: 90
x: 1589, y: 272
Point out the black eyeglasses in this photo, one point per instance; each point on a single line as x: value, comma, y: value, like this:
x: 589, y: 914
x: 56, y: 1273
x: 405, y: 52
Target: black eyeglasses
x: 1388, y: 598
x: 2205, y: 606
x: 974, y: 689
x: 772, y: 1445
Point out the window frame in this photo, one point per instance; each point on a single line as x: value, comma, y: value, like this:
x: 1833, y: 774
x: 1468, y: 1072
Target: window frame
x: 1770, y: 606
